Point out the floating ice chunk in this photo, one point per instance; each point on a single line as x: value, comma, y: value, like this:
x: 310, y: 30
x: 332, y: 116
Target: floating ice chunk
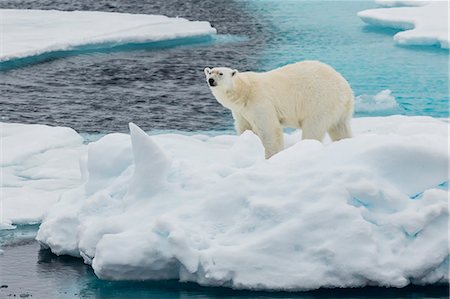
x: 425, y: 25
x: 37, y: 164
x: 33, y: 32
x: 37, y: 138
x: 369, y: 210
x: 6, y: 224
x: 382, y: 101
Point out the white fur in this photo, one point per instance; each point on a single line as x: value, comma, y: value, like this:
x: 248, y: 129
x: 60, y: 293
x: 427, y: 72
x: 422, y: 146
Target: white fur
x: 309, y: 95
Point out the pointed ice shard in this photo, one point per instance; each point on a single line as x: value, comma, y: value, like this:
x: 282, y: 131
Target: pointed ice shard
x: 150, y: 163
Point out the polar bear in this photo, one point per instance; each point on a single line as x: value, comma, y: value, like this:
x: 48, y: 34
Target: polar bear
x: 309, y: 95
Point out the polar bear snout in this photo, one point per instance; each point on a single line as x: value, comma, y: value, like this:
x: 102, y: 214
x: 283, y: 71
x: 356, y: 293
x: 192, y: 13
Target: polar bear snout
x: 212, y: 82
x: 221, y: 78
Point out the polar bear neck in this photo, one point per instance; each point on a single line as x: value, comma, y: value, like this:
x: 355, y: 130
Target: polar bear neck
x: 237, y: 97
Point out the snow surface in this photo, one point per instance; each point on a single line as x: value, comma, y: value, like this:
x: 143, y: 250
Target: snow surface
x: 37, y: 163
x: 371, y: 210
x: 33, y: 32
x: 425, y: 24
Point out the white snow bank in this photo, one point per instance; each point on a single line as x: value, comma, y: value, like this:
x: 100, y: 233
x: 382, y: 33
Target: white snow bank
x: 425, y: 25
x: 371, y: 210
x: 382, y: 101
x: 33, y: 32
x: 37, y: 163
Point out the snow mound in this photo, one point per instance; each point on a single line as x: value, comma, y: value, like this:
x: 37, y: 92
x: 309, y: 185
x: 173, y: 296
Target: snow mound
x: 382, y: 101
x: 426, y: 24
x: 371, y: 210
x: 33, y: 32
x: 37, y: 164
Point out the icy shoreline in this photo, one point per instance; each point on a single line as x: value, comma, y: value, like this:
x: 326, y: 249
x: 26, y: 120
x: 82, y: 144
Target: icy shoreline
x: 370, y: 210
x: 425, y: 22
x: 28, y: 33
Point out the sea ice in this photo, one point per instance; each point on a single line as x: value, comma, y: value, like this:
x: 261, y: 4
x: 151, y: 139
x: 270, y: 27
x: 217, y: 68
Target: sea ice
x: 382, y: 101
x: 370, y: 210
x: 425, y: 24
x: 37, y: 163
x: 33, y: 32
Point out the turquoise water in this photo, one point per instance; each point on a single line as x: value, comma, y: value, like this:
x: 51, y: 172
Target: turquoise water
x: 367, y: 56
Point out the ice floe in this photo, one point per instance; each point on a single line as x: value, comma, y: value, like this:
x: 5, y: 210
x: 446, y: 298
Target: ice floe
x: 370, y: 210
x: 37, y: 164
x: 33, y: 32
x: 382, y: 101
x: 425, y: 24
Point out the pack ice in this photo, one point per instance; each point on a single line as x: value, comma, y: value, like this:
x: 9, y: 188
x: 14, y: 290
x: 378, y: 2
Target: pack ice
x: 371, y: 210
x: 424, y: 22
x: 37, y: 164
x: 33, y: 32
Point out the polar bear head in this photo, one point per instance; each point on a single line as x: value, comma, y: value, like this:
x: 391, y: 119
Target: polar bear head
x: 220, y: 78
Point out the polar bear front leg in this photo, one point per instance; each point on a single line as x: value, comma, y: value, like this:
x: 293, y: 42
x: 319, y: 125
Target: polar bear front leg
x: 240, y: 123
x: 266, y: 125
x: 272, y: 140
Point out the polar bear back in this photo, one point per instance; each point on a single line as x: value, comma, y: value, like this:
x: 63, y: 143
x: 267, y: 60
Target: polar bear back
x: 309, y: 95
x: 302, y: 90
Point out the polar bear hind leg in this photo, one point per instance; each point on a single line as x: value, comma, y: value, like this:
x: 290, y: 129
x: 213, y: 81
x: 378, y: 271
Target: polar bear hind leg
x: 340, y: 130
x: 314, y: 129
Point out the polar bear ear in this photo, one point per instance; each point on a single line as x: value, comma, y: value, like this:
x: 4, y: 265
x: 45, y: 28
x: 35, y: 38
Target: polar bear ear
x: 234, y: 72
x: 207, y: 70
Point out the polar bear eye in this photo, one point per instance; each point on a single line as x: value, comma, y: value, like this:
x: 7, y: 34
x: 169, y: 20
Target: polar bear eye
x: 220, y: 74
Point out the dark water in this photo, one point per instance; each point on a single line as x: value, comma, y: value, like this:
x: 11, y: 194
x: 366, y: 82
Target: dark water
x: 28, y: 270
x: 164, y: 89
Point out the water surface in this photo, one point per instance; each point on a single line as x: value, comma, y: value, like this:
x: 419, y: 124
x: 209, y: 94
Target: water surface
x: 164, y: 89
x: 29, y: 270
